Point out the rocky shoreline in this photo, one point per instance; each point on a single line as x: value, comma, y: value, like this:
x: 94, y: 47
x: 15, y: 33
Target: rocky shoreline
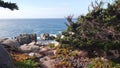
x: 26, y: 44
x: 49, y: 55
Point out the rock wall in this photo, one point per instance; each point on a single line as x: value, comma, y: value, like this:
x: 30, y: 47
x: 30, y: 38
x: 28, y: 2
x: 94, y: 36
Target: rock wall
x: 26, y: 38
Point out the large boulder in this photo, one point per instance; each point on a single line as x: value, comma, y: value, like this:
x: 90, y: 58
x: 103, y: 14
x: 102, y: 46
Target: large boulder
x: 3, y: 39
x: 5, y: 60
x: 26, y: 38
x: 29, y: 47
x: 11, y: 45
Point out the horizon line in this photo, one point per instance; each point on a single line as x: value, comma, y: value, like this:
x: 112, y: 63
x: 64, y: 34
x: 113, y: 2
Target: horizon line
x: 35, y: 18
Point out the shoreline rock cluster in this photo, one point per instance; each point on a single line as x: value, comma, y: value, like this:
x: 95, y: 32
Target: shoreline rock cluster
x: 24, y: 43
x: 26, y: 38
x: 31, y: 49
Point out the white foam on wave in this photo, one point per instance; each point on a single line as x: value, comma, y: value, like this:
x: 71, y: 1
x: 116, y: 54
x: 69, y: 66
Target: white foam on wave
x: 55, y: 35
x: 59, y: 32
x: 46, y: 42
x: 38, y: 38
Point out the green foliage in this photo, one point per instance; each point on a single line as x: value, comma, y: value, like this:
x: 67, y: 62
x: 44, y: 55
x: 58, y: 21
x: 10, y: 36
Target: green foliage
x: 106, y: 45
x: 65, y: 52
x: 51, y: 45
x: 99, y: 27
x: 101, y: 63
x: 8, y: 5
x: 28, y: 63
x: 117, y: 1
x: 65, y: 55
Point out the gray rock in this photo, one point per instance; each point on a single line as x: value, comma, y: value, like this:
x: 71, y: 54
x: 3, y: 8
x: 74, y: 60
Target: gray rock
x: 26, y: 38
x: 3, y: 39
x: 45, y: 36
x: 31, y: 54
x: 5, y: 60
x: 11, y: 43
x: 29, y: 47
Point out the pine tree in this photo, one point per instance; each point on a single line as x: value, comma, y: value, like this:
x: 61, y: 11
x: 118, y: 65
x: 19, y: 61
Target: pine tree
x: 9, y: 5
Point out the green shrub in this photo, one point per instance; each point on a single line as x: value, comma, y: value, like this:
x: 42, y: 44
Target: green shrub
x: 99, y: 27
x: 99, y: 63
x: 28, y: 63
x: 51, y: 45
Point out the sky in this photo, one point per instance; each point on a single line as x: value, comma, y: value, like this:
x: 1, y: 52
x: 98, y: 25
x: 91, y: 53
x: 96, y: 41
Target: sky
x: 47, y: 8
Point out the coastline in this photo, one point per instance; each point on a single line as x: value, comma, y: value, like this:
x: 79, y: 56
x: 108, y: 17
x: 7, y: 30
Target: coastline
x: 38, y: 39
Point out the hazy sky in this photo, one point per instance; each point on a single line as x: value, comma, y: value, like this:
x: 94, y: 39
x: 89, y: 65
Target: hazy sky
x: 46, y: 8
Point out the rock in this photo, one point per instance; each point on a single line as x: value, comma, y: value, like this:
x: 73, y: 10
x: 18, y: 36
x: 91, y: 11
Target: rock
x: 43, y: 49
x: 11, y: 43
x: 26, y: 38
x: 45, y: 36
x: 31, y: 54
x: 24, y: 48
x: 54, y: 52
x: 32, y: 43
x: 62, y: 36
x: 5, y: 59
x: 52, y: 38
x: 46, y: 62
x: 38, y: 55
x: 104, y: 59
x: 56, y: 44
x: 29, y: 47
x: 81, y: 53
x: 3, y: 39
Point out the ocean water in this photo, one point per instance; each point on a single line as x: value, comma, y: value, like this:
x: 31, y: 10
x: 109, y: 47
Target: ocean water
x: 13, y: 27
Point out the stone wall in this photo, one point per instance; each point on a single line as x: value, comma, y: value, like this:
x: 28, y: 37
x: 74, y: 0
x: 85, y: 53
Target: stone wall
x: 26, y: 38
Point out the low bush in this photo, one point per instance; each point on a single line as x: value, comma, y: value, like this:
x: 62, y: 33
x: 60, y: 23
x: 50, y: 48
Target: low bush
x: 101, y: 63
x: 28, y: 63
x: 51, y: 45
x: 24, y: 61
